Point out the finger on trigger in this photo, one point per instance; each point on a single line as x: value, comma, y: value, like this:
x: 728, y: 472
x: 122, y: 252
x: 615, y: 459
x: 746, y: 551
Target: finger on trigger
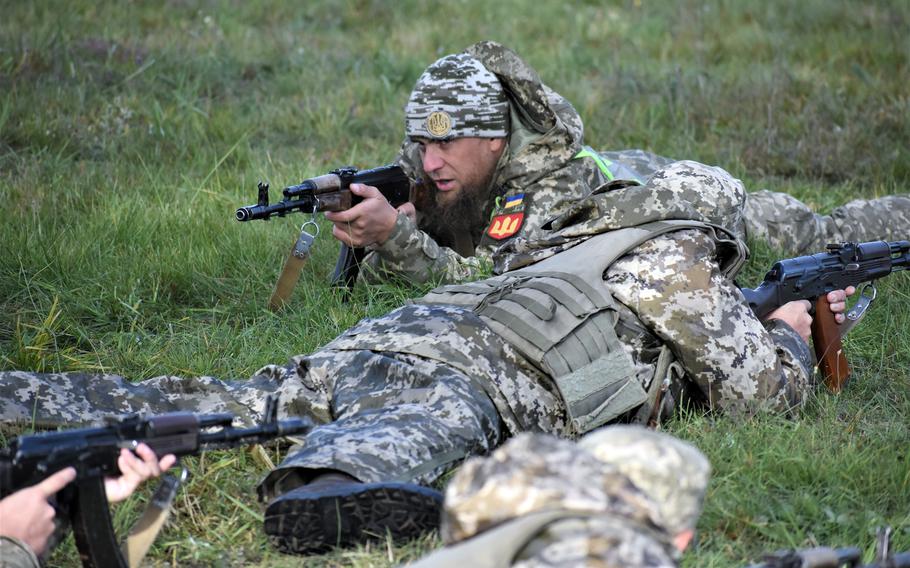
x: 54, y: 483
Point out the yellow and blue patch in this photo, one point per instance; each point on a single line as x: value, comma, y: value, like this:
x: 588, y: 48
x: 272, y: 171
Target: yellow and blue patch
x: 513, y: 201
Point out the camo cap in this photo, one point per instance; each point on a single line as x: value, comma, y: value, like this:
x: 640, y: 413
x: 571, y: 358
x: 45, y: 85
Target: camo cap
x: 456, y: 97
x: 671, y: 472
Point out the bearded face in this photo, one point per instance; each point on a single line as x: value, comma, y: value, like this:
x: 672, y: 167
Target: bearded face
x: 459, y: 173
x: 445, y: 218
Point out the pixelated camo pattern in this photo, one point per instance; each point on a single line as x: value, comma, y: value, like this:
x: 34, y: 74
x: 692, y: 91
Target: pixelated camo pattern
x: 534, y: 473
x: 433, y: 386
x: 602, y: 542
x: 683, y: 190
x: 607, y: 516
x: 468, y: 95
x: 672, y: 473
x: 787, y: 224
x: 676, y: 290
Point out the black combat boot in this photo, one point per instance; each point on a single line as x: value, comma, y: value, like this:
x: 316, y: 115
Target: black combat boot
x: 335, y: 510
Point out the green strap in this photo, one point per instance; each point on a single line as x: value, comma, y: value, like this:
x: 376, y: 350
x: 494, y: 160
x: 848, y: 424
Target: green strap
x: 497, y: 205
x: 602, y: 163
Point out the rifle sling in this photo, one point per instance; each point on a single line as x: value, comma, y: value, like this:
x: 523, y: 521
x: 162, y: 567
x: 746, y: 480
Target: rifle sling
x: 146, y: 529
x: 290, y: 273
x: 858, y: 311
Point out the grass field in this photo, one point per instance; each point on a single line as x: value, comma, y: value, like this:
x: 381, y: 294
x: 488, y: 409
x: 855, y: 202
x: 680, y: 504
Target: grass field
x: 130, y: 131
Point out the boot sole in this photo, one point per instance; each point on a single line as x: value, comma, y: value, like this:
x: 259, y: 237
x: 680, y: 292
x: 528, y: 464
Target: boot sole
x: 305, y: 521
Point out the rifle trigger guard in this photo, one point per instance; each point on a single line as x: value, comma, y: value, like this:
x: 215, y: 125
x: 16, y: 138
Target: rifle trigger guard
x: 856, y: 313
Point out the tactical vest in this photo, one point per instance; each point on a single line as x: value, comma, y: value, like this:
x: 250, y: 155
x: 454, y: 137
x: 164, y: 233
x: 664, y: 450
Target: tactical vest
x: 558, y: 314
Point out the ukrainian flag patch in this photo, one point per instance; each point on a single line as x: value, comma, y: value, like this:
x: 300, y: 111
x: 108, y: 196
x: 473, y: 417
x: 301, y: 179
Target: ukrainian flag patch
x: 513, y: 201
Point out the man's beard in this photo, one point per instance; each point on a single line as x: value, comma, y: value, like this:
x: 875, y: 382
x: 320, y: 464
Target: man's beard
x: 467, y: 216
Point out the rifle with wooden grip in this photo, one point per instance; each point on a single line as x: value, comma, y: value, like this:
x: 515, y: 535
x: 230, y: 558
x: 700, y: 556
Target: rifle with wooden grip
x: 812, y: 277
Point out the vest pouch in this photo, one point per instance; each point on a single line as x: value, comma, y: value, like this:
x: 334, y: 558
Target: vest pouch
x: 601, y: 391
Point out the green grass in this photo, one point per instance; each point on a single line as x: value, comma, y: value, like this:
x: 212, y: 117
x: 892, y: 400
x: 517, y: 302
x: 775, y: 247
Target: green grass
x: 129, y: 132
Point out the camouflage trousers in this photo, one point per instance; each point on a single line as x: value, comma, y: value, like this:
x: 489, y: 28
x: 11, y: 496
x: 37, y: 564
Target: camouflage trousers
x: 787, y: 224
x: 404, y: 397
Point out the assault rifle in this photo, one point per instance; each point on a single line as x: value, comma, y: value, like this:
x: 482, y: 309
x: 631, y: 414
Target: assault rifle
x: 824, y: 557
x: 812, y: 277
x: 93, y: 452
x: 329, y: 192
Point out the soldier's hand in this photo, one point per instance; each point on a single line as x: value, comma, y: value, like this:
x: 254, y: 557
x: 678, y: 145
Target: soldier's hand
x: 796, y: 315
x: 26, y: 514
x: 134, y: 471
x: 837, y: 301
x: 369, y: 222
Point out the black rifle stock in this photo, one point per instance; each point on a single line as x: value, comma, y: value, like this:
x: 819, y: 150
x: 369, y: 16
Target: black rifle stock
x: 93, y: 452
x: 812, y: 277
x: 330, y: 192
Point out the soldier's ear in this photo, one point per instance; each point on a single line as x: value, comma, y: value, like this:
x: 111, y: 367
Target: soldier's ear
x: 497, y: 144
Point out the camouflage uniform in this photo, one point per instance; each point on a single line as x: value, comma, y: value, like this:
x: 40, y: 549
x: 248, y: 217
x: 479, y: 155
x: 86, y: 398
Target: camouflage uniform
x: 16, y: 554
x: 536, y: 177
x: 616, y: 499
x: 788, y: 224
x: 409, y: 395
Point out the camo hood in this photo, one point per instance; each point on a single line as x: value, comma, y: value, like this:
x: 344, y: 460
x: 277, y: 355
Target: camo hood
x: 545, y: 130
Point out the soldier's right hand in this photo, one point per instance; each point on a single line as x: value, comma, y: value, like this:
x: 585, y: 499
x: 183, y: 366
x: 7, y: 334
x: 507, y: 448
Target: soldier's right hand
x: 26, y: 515
x: 369, y: 222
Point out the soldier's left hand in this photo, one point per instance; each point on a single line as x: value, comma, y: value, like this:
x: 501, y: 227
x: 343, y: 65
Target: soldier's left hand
x: 837, y: 300
x: 134, y: 471
x: 369, y: 222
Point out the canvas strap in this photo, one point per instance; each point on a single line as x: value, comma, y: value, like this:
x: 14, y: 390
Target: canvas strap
x: 146, y: 529
x: 290, y: 273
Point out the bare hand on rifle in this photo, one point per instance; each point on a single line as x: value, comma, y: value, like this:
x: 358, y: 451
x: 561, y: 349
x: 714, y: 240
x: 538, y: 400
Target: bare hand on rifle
x: 27, y: 516
x: 369, y: 222
x: 796, y: 313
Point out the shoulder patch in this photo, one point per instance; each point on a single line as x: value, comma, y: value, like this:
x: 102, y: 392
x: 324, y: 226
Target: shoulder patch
x: 505, y: 225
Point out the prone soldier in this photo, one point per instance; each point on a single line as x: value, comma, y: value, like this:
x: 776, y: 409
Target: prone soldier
x: 494, y: 153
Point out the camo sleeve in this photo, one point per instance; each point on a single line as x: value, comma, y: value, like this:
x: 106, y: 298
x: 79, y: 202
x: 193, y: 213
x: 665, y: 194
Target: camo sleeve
x: 414, y: 255
x: 16, y: 554
x: 738, y: 363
